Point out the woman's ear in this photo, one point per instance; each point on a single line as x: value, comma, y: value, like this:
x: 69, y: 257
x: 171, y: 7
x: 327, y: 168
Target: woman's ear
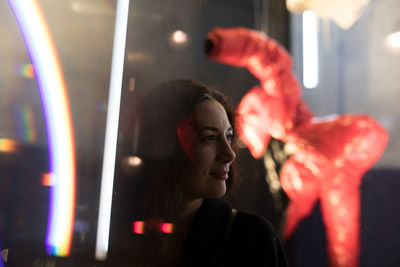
x: 186, y: 134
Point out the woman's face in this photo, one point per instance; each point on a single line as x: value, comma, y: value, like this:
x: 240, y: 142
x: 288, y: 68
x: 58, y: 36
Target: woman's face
x: 209, y: 148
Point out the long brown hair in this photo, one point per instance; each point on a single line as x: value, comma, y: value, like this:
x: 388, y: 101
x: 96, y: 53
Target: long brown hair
x: 164, y: 160
x: 159, y: 180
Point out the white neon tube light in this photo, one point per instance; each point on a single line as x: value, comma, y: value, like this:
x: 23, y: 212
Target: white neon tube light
x: 110, y: 144
x: 310, y: 50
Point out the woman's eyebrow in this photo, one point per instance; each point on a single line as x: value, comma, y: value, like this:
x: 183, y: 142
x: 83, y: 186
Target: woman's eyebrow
x: 214, y: 129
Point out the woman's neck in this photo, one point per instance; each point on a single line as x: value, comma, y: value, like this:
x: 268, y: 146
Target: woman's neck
x: 187, y: 214
x: 190, y: 208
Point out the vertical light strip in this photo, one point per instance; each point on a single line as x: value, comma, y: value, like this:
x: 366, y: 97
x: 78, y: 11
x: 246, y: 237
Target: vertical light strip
x: 310, y: 50
x: 58, y: 123
x: 110, y: 144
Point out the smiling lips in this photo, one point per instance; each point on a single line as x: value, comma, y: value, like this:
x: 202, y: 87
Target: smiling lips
x: 220, y: 175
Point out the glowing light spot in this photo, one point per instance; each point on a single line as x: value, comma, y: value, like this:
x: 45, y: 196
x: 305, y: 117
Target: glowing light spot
x: 134, y: 161
x: 47, y: 179
x: 132, y: 84
x: 341, y: 237
x: 290, y: 148
x: 312, y: 167
x: 334, y: 198
x: 27, y: 71
x: 100, y: 7
x: 140, y: 57
x: 297, y: 183
x: 7, y: 145
x: 179, y: 37
x: 392, y: 43
x: 138, y: 227
x: 167, y: 228
x: 338, y: 162
x: 271, y: 85
x: 257, y: 145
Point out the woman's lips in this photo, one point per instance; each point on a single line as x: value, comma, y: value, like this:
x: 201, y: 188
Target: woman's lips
x: 220, y: 175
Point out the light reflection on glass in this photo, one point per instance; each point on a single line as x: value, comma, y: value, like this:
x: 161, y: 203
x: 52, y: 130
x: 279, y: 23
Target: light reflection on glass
x: 392, y: 42
x: 54, y: 98
x: 26, y: 70
x: 7, y: 145
x: 27, y: 124
x: 47, y: 179
x: 138, y: 227
x: 134, y: 161
x: 167, y: 228
x: 110, y: 143
x: 179, y: 37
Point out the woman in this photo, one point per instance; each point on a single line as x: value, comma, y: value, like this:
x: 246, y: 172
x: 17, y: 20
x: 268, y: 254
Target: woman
x: 185, y: 135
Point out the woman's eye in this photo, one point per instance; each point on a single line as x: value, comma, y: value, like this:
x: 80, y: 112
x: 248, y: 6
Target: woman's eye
x: 230, y: 138
x: 208, y: 138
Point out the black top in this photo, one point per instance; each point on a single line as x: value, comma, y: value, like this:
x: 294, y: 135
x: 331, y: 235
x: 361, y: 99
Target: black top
x: 250, y: 241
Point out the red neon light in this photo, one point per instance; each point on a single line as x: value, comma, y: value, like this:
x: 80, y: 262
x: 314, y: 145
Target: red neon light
x: 138, y: 227
x: 167, y: 228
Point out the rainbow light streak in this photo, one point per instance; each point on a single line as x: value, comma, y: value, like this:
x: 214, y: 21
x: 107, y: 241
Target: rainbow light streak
x: 27, y: 71
x: 110, y: 144
x: 28, y: 122
x: 58, y: 123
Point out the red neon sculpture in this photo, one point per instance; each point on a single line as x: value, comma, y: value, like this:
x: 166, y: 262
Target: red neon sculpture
x: 332, y: 153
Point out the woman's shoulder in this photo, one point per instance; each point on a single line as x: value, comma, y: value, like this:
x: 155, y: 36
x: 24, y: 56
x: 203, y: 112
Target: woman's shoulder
x: 254, y: 222
x: 247, y: 240
x: 244, y: 221
x: 253, y: 227
x: 254, y: 237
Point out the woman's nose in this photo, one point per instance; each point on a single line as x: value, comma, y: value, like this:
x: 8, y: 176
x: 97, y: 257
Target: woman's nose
x: 226, y: 153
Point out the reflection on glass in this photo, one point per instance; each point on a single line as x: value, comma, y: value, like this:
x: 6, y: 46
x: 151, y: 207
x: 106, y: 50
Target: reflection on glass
x: 7, y: 145
x: 392, y: 42
x: 110, y: 146
x: 26, y: 118
x: 52, y: 87
x: 179, y: 39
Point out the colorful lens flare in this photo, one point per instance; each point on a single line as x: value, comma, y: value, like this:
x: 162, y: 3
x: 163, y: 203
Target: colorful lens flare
x: 56, y: 109
x: 7, y: 145
x: 28, y: 130
x: 167, y: 228
x: 47, y: 179
x: 138, y: 227
x: 27, y: 71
